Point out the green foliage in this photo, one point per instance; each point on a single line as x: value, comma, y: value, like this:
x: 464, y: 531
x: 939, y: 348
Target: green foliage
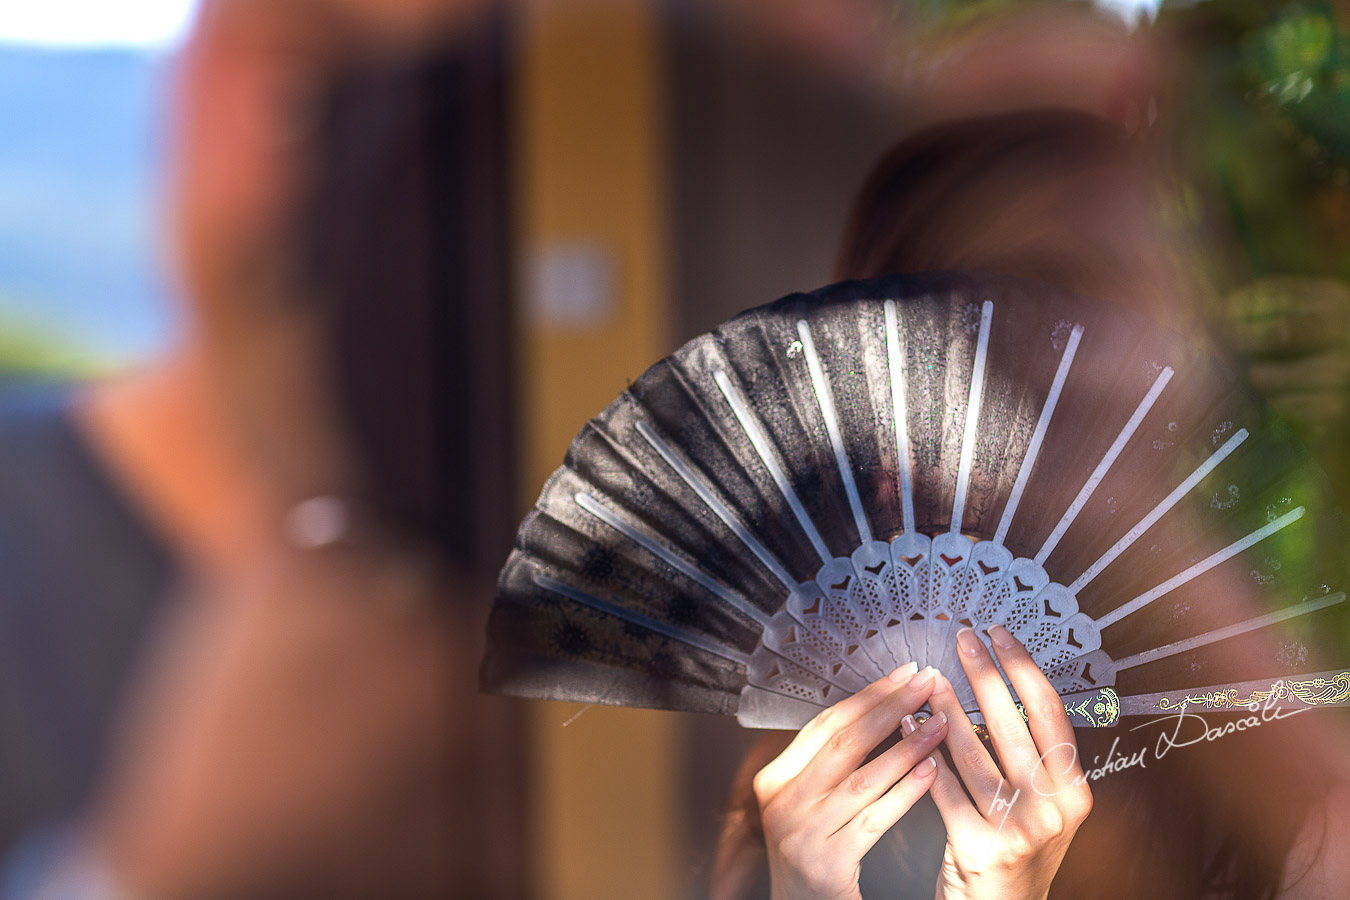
x: 29, y: 350
x: 1263, y: 134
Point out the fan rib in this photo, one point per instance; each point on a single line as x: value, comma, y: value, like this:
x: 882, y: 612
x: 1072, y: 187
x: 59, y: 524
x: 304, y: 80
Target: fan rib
x: 688, y: 482
x: 1302, y: 691
x: 1112, y: 452
x: 826, y: 400
x: 1158, y: 511
x: 1200, y: 568
x: 1228, y: 631
x: 636, y: 618
x: 895, y: 361
x: 654, y: 545
x: 766, y: 456
x: 697, y: 485
x: 972, y: 416
x: 937, y: 594
x: 1038, y: 435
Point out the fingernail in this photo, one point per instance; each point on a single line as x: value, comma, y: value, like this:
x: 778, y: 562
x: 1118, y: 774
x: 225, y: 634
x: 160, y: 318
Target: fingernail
x: 908, y: 726
x: 1001, y: 636
x: 936, y: 723
x: 968, y: 642
x: 927, y: 765
x: 940, y: 684
x: 924, y: 678
x: 904, y: 672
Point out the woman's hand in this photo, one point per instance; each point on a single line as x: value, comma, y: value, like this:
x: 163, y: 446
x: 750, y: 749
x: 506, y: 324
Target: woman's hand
x: 822, y: 808
x: 1008, y: 844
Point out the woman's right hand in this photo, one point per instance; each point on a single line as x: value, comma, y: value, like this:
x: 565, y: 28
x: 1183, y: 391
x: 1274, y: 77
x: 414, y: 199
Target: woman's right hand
x: 823, y: 809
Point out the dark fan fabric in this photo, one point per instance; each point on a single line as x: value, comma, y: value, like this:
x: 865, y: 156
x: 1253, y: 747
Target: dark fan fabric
x: 634, y: 647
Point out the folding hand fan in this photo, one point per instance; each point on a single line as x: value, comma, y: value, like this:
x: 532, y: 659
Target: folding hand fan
x: 832, y: 485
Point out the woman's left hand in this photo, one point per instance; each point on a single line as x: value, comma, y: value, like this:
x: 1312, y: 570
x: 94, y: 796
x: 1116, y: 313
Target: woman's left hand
x: 1010, y: 841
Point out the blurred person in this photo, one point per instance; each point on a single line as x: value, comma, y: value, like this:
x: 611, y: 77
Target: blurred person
x: 227, y: 655
x: 1062, y: 197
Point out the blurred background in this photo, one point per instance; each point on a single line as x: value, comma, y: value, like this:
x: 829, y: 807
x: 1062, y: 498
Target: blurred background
x: 82, y: 102
x: 632, y: 172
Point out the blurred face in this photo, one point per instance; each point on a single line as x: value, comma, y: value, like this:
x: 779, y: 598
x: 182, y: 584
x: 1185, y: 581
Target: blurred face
x: 248, y: 85
x: 238, y: 148
x: 248, y: 91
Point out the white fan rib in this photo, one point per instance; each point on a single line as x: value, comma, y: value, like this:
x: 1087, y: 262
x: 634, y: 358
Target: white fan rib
x: 1219, y: 634
x: 895, y: 362
x: 1158, y: 511
x: 972, y: 416
x: 825, y: 398
x: 766, y: 456
x: 636, y: 618
x: 1112, y: 452
x: 1038, y: 435
x: 1200, y: 568
x: 652, y: 543
x: 719, y: 509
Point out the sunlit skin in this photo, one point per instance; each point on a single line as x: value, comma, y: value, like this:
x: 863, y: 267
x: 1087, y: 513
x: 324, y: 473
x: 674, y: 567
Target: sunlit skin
x: 1011, y: 840
x: 1010, y: 816
x: 822, y: 809
x: 1014, y: 847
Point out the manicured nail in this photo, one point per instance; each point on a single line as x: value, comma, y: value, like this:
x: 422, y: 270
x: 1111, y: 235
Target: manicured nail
x: 908, y: 726
x: 926, y: 765
x: 967, y: 640
x: 940, y: 684
x: 904, y: 672
x: 923, y: 678
x: 1001, y: 636
x: 936, y: 723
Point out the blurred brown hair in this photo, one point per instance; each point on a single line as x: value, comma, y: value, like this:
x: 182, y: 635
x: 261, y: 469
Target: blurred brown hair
x: 1054, y: 195
x: 1063, y: 197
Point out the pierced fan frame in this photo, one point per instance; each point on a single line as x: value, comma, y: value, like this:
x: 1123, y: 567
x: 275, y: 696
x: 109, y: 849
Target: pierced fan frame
x: 836, y: 632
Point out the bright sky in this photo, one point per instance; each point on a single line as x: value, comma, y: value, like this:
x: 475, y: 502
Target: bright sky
x: 162, y: 23
x: 153, y: 24
x: 1132, y: 11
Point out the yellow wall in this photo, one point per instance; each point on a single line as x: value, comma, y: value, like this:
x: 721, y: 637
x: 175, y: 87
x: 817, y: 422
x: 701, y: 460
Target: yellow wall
x: 588, y: 119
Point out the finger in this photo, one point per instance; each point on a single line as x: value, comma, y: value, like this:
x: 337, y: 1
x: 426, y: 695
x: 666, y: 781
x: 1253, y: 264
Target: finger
x: 976, y: 767
x: 1049, y: 723
x: 958, y: 813
x: 862, y: 832
x: 845, y: 750
x: 815, y: 733
x: 1012, y: 741
x: 867, y: 784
